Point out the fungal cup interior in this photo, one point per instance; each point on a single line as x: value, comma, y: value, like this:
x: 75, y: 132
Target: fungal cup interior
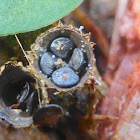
x: 78, y: 42
x: 12, y: 82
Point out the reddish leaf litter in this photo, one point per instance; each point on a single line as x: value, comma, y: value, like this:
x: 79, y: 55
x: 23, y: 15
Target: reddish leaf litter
x: 123, y: 75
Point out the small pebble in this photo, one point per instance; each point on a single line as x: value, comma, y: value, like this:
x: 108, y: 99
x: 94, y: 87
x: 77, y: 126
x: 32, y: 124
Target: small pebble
x: 47, y: 63
x: 62, y: 47
x: 77, y: 59
x: 65, y: 77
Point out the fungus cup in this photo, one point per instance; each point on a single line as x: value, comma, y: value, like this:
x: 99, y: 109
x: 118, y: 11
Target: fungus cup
x: 56, y: 86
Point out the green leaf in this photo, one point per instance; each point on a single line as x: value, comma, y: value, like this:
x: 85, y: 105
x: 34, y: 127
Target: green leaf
x: 18, y: 16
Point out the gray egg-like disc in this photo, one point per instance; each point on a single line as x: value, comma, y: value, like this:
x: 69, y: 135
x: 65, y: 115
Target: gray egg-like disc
x: 76, y: 60
x: 65, y: 77
x: 62, y: 47
x: 47, y: 63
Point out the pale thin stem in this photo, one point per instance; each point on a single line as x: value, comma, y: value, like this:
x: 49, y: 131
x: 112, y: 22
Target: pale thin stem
x: 22, y: 48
